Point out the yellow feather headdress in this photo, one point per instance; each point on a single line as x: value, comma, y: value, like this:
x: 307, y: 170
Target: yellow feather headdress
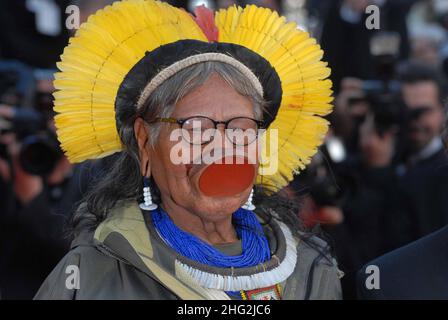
x: 116, y: 38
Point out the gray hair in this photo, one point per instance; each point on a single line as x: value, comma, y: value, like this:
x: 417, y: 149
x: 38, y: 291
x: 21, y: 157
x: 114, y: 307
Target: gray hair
x: 162, y: 101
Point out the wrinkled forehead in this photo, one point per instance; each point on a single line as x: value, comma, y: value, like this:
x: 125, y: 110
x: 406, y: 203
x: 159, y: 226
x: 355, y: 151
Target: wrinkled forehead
x: 215, y: 98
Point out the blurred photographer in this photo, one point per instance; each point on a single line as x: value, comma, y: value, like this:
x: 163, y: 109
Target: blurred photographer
x: 347, y: 42
x: 371, y: 222
x: 357, y: 96
x: 39, y: 185
x: 33, y: 31
x: 418, y: 271
x: 424, y: 167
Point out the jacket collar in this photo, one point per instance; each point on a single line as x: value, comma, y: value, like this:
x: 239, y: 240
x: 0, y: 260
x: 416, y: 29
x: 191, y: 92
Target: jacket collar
x: 123, y: 235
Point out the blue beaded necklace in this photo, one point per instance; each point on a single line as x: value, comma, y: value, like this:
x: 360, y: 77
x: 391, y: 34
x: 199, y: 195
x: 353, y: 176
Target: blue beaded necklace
x: 255, y: 247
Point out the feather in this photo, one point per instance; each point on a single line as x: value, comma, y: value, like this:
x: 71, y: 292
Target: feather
x: 205, y: 19
x: 307, y: 93
x: 95, y: 63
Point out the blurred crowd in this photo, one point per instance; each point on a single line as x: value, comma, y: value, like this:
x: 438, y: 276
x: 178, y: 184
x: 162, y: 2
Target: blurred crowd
x: 379, y: 182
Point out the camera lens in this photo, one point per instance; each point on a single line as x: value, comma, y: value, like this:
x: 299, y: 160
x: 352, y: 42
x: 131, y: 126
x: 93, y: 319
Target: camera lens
x: 39, y: 154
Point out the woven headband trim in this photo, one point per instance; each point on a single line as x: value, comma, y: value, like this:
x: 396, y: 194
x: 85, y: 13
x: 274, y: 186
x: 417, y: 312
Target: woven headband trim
x: 171, y: 70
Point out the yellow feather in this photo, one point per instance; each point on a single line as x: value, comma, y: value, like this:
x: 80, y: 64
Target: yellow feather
x: 306, y: 91
x: 95, y: 63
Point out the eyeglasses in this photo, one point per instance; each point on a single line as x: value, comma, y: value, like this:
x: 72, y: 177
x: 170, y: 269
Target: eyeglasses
x: 199, y: 130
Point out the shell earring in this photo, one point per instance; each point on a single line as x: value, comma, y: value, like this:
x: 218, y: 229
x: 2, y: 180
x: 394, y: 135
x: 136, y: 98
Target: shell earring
x: 147, y: 203
x: 249, y: 205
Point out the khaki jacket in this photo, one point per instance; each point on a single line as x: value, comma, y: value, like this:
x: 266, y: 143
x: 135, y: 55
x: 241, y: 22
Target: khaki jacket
x: 123, y: 260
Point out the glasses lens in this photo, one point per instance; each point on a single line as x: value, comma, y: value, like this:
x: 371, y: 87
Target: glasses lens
x: 198, y: 130
x: 242, y: 131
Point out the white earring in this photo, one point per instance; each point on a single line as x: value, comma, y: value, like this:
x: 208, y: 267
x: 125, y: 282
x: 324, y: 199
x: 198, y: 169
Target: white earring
x: 249, y: 205
x: 147, y: 203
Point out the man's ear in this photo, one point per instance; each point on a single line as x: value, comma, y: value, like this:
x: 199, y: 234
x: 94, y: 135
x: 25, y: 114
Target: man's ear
x: 142, y: 138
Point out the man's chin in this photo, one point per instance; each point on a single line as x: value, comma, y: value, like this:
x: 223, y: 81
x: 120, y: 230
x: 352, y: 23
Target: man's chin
x: 230, y: 203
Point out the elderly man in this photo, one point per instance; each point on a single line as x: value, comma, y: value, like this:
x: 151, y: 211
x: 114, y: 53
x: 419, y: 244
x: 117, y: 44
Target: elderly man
x: 172, y: 92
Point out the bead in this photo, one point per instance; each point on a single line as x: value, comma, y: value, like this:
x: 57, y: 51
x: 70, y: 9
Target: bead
x: 255, y: 245
x: 147, y: 198
x: 249, y: 205
x: 148, y: 207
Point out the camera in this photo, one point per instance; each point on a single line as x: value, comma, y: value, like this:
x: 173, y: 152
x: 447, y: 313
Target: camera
x: 40, y: 150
